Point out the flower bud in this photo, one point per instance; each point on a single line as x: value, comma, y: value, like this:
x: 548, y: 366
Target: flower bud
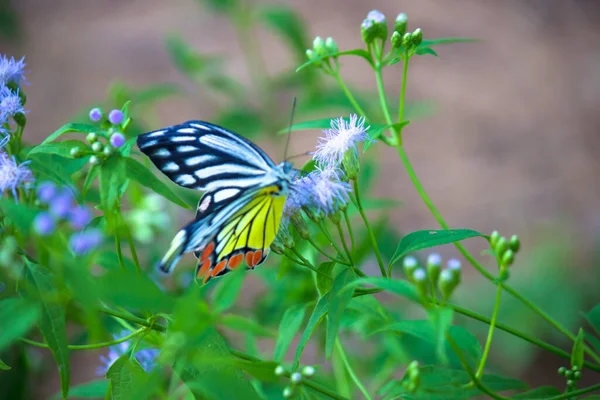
x: 97, y: 147
x: 400, y: 24
x: 91, y: 137
x: 288, y: 392
x: 315, y: 215
x: 20, y: 118
x: 115, y: 117
x: 95, y: 114
x: 75, y: 152
x: 108, y: 150
x: 117, y: 140
x: 308, y: 371
x: 508, y: 258
x: 296, y: 377
x: 419, y: 278
x: 279, y: 370
x: 434, y: 263
x: 396, y: 40
x: 568, y: 374
x: 562, y: 371
x: 94, y: 160
x: 286, y: 238
x: 300, y: 224
x: 494, y: 239
x: 447, y: 283
x: 368, y: 31
x: 501, y: 247
x: 351, y: 164
x: 570, y: 383
x: 319, y: 47
x: 331, y: 46
x: 514, y: 243
x: 409, y: 265
x: 576, y: 375
x: 407, y: 40
x: 336, y: 217
x: 417, y: 37
x: 380, y: 23
x: 277, y: 247
x: 311, y: 55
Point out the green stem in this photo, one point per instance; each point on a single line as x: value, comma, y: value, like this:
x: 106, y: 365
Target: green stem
x: 353, y: 376
x: 402, y: 93
x: 308, y: 264
x: 118, y: 246
x: 575, y: 393
x: 369, y: 230
x: 343, y: 239
x: 320, y: 250
x: 382, y: 97
x: 349, y: 94
x: 132, y: 318
x: 129, y: 237
x: 89, y: 346
x: 349, y: 225
x: 488, y: 342
x: 333, y: 243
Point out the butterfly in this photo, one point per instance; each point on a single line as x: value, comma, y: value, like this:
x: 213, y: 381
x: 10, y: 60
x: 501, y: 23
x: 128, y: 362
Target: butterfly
x: 239, y: 214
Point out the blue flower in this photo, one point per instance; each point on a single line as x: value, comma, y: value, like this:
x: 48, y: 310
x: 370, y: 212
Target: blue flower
x: 376, y: 16
x: 145, y: 357
x: 341, y: 137
x: 44, y: 224
x: 86, y: 241
x: 10, y: 103
x: 80, y: 216
x: 13, y: 175
x: 46, y: 191
x: 61, y: 204
x: 95, y: 114
x: 11, y: 70
x: 115, y: 117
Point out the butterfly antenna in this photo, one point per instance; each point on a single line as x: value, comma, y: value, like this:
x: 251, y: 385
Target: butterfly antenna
x: 289, y: 134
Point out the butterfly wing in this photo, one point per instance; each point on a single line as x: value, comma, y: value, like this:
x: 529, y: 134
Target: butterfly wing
x: 203, y: 156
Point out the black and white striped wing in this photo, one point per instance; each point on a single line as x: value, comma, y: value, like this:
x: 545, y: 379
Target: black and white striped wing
x: 203, y: 156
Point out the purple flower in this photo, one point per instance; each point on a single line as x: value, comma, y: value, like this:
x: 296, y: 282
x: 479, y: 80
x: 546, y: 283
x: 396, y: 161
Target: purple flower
x: 11, y: 70
x: 454, y: 264
x: 10, y: 103
x: 367, y: 23
x: 84, y: 242
x: 13, y: 175
x: 146, y: 357
x: 410, y: 262
x: 80, y: 216
x: 434, y: 259
x: 46, y: 191
x: 376, y: 16
x: 61, y: 204
x: 95, y: 114
x: 44, y: 224
x: 419, y: 275
x: 341, y: 137
x: 117, y: 140
x: 115, y: 117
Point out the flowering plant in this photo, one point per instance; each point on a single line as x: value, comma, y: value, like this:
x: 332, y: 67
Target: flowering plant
x: 84, y: 222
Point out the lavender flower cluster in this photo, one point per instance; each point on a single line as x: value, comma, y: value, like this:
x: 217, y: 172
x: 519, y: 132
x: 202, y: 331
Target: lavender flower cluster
x: 12, y: 174
x: 326, y: 189
x: 62, y: 207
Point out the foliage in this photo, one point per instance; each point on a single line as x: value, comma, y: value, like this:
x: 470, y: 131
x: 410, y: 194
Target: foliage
x: 79, y: 250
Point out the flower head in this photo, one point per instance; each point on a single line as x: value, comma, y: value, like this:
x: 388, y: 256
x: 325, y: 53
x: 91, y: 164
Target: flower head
x: 10, y: 103
x: 11, y: 70
x: 79, y: 217
x: 44, y: 224
x: 343, y: 135
x: 146, y: 357
x: 115, y: 117
x: 13, y: 175
x: 95, y: 114
x: 329, y: 193
x: 84, y: 242
x: 376, y: 16
x: 61, y: 204
x: 46, y: 191
x: 117, y: 140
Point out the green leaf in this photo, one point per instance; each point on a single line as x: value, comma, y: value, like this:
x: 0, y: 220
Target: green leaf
x: 3, y: 366
x: 82, y: 128
x: 577, y: 352
x: 399, y: 287
x: 126, y: 375
x: 113, y: 181
x: 264, y: 371
x: 539, y: 393
x: 62, y: 168
x: 437, y: 42
x: 356, y: 52
x: 186, y: 59
x: 288, y: 328
x: 20, y: 215
x: 376, y: 130
x: 246, y: 325
x: 338, y: 301
x: 284, y: 21
x: 420, y: 240
x: 323, y: 283
x: 143, y: 176
x: 593, y: 318
x: 95, y: 389
x: 52, y: 321
x: 426, y: 50
x: 227, y: 292
x: 441, y: 319
x: 210, y: 371
x: 17, y: 316
x: 62, y: 149
x: 315, y: 318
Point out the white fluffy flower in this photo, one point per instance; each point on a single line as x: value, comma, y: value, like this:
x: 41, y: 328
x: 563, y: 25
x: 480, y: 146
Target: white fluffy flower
x: 341, y: 137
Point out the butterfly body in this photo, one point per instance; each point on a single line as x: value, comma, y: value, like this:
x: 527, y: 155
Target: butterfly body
x: 239, y: 215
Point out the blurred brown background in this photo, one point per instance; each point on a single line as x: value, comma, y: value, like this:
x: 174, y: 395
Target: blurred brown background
x: 512, y: 145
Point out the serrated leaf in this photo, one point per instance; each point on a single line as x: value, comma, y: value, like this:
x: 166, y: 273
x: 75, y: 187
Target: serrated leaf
x: 578, y: 349
x: 315, y: 318
x: 539, y: 393
x: 18, y: 316
x: 82, y: 128
x: 323, y: 283
x: 126, y: 375
x: 95, y: 389
x: 52, y: 320
x: 144, y: 177
x: 420, y: 240
x: 338, y: 301
x: 286, y: 22
x: 246, y: 325
x: 426, y: 50
x: 228, y: 290
x: 62, y: 149
x: 288, y: 328
x: 356, y: 52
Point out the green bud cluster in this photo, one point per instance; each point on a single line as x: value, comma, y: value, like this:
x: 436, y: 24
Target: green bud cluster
x: 412, y: 377
x: 505, y: 250
x: 100, y: 150
x: 322, y: 52
x: 427, y: 279
x: 572, y: 375
x: 404, y: 40
x: 351, y: 164
x: 296, y: 378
